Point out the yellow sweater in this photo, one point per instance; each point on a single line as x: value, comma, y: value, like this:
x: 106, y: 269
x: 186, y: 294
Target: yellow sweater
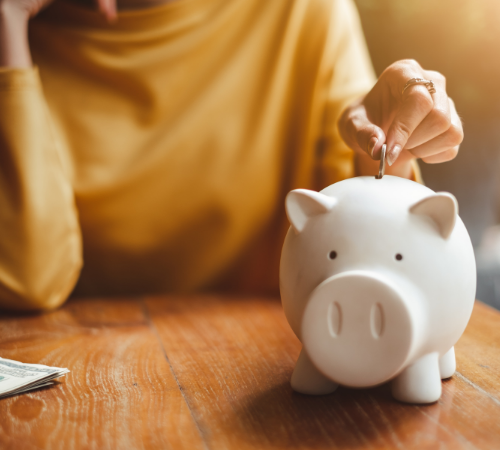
x: 159, y: 149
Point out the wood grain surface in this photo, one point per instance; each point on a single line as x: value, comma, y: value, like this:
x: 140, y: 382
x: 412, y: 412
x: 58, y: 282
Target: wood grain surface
x: 120, y: 394
x: 212, y: 372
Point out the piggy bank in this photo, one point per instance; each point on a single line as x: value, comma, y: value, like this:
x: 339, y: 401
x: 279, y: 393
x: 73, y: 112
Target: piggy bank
x: 377, y: 280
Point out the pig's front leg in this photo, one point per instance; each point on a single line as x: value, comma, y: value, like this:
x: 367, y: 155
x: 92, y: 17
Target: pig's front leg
x: 420, y: 382
x: 307, y: 380
x: 447, y: 363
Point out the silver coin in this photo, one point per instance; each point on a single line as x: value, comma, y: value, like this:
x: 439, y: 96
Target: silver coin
x: 381, y: 168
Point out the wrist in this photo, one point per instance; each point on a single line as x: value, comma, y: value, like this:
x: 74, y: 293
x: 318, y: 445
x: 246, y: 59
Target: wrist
x: 14, y: 48
x: 10, y: 11
x: 402, y: 167
x: 403, y: 171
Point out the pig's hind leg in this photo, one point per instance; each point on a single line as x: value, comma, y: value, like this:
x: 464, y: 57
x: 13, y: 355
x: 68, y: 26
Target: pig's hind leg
x: 447, y: 364
x: 420, y: 382
x: 306, y: 379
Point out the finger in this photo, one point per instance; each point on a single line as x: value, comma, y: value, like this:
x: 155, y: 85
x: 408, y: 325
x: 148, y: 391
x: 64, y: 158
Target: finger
x: 451, y: 138
x: 439, y: 118
x: 416, y: 104
x: 107, y: 8
x: 447, y: 155
x: 360, y: 133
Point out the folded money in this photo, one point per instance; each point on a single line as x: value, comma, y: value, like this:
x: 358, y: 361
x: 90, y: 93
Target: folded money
x: 17, y: 377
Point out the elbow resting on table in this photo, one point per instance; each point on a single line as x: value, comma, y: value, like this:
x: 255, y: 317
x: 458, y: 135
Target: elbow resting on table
x: 45, y: 291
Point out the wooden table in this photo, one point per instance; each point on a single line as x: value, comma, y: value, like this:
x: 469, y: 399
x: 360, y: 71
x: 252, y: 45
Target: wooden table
x: 213, y: 373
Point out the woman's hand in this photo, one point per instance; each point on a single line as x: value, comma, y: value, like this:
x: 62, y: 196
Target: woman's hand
x: 14, y: 17
x: 413, y: 124
x: 31, y: 8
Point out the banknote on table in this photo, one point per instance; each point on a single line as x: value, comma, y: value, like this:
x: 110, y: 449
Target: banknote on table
x: 17, y: 377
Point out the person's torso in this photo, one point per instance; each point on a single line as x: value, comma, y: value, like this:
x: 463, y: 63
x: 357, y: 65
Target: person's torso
x: 182, y: 127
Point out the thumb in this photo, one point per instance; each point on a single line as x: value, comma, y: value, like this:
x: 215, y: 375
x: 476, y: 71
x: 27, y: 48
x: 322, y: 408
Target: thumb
x: 360, y: 133
x: 370, y: 139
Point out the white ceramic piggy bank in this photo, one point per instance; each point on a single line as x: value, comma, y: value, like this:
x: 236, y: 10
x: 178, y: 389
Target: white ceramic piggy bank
x: 378, y: 281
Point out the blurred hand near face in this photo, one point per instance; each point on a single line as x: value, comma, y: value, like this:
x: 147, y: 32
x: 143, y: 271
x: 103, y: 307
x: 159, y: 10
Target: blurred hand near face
x: 30, y: 8
x: 14, y: 17
x: 413, y: 124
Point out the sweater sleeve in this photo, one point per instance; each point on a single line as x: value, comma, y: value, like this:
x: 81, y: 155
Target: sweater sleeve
x: 352, y: 76
x: 40, y: 240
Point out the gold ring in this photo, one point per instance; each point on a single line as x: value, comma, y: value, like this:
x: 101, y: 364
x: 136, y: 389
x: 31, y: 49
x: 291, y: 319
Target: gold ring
x: 429, y: 84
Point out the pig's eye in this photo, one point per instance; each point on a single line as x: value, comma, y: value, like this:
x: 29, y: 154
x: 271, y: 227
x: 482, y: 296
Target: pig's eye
x: 399, y: 256
x: 332, y: 254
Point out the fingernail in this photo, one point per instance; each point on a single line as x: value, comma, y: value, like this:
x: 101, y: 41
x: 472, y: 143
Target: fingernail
x: 393, y: 154
x: 371, y: 145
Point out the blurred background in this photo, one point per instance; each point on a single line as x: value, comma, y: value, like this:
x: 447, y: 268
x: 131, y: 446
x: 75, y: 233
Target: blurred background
x: 460, y: 39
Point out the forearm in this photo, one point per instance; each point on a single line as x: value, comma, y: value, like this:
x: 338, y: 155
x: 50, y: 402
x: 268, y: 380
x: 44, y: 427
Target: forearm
x: 40, y: 242
x: 14, y: 48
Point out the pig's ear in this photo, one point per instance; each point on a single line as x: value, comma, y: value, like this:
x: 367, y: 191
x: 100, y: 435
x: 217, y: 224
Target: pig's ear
x: 302, y: 204
x: 442, y: 208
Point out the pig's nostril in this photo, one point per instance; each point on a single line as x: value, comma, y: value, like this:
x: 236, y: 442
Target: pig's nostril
x: 334, y: 319
x: 377, y: 320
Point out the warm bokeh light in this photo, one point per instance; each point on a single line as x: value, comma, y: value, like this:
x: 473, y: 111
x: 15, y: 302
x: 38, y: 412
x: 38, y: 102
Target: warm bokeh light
x: 460, y: 39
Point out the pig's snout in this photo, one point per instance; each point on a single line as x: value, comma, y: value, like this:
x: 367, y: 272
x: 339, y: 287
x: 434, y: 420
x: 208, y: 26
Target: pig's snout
x: 358, y: 329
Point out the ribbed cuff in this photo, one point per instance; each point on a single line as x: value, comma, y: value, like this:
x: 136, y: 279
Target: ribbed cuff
x: 19, y: 79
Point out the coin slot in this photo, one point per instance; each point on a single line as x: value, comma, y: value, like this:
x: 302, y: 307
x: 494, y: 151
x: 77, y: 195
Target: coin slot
x: 334, y: 318
x: 377, y: 320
